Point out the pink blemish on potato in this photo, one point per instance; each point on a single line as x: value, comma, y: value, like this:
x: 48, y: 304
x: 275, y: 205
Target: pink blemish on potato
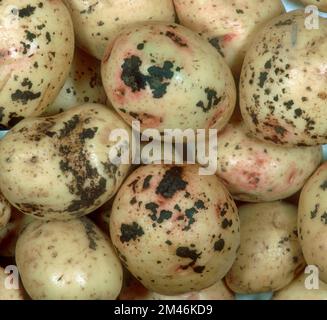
x: 292, y: 174
x: 216, y: 116
x: 135, y: 290
x: 229, y: 37
x: 149, y: 120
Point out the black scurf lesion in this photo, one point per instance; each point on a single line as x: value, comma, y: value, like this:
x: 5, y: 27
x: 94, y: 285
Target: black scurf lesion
x: 212, y: 100
x: 163, y: 214
x: 219, y: 245
x: 191, y: 212
x: 26, y: 12
x: 157, y: 77
x: 24, y: 96
x: 2, y: 113
x: 130, y: 232
x: 146, y: 182
x: 262, y: 78
x: 287, y: 22
x: 69, y: 126
x: 175, y: 38
x: 91, y: 233
x: 314, y: 212
x: 215, y: 42
x: 323, y: 218
x: 323, y: 186
x: 187, y: 253
x: 171, y: 182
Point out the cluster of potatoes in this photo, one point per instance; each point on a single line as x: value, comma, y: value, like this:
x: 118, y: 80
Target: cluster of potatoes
x: 79, y: 226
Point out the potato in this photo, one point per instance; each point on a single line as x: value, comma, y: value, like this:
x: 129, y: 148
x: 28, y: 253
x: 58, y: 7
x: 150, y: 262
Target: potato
x: 5, y: 211
x: 83, y: 85
x: 97, y: 23
x: 297, y: 291
x: 270, y: 255
x: 230, y: 26
x: 9, y: 293
x: 312, y: 220
x: 67, y: 260
x: 283, y: 86
x: 36, y: 50
x: 134, y: 290
x: 257, y: 171
x: 321, y: 4
x: 175, y: 230
x: 59, y: 167
x: 9, y: 234
x: 168, y: 77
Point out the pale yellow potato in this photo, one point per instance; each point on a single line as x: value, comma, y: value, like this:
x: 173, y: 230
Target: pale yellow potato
x: 175, y: 230
x: 270, y: 254
x: 9, y: 234
x: 230, y: 26
x: 97, y: 23
x: 312, y: 221
x: 59, y: 167
x: 134, y: 290
x: 68, y: 260
x: 283, y: 85
x: 83, y: 85
x: 321, y: 4
x: 168, y: 77
x: 9, y: 293
x: 36, y: 51
x: 257, y: 171
x: 5, y: 211
x: 297, y: 290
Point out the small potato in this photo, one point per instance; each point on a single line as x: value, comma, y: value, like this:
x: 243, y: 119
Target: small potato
x: 59, y: 167
x: 283, y: 86
x: 68, y: 260
x: 312, y: 221
x: 270, y: 255
x: 5, y: 211
x: 9, y: 293
x: 9, y: 234
x: 321, y: 4
x: 134, y: 290
x: 257, y: 171
x: 230, y: 26
x: 168, y: 77
x: 175, y: 230
x: 36, y: 50
x: 97, y: 23
x: 83, y: 85
x: 298, y: 291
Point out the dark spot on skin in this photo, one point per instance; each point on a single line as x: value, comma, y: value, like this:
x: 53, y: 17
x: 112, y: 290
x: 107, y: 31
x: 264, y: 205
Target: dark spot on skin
x: 289, y: 104
x: 88, y: 133
x: 323, y: 218
x: 219, y: 245
x: 226, y: 223
x: 90, y: 232
x: 131, y: 74
x: 26, y: 12
x: 27, y: 83
x: 130, y: 232
x: 177, y: 207
x: 254, y: 118
x: 48, y: 37
x: 175, y: 38
x: 140, y: 46
x: 164, y: 215
x: 314, y: 212
x: 14, y: 119
x: 284, y: 23
x: 30, y: 36
x: 153, y: 208
x: 212, y: 98
x: 239, y: 11
x: 268, y: 64
x: 216, y: 44
x: 168, y: 242
x: 133, y: 201
x: 133, y: 185
x: 146, y: 183
x: 324, y: 186
x: 262, y: 79
x: 171, y: 182
x: 199, y: 204
x: 24, y: 96
x: 280, y: 130
x: 199, y: 269
x: 90, y: 9
x: 69, y: 126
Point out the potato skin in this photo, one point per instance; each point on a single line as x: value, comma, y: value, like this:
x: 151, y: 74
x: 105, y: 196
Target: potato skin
x: 134, y: 290
x: 312, y: 220
x: 283, y: 82
x: 58, y: 167
x: 321, y: 4
x: 174, y: 230
x: 296, y: 290
x: 230, y: 26
x: 257, y: 171
x: 5, y: 211
x: 68, y: 260
x: 9, y: 294
x: 37, y: 46
x: 97, y: 24
x: 270, y: 255
x: 83, y: 85
x: 168, y: 77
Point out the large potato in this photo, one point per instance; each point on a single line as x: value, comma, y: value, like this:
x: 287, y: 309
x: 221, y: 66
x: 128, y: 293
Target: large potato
x: 134, y: 290
x: 83, y: 85
x: 67, y: 260
x: 59, y: 167
x: 297, y: 290
x: 98, y: 22
x: 321, y: 4
x: 5, y: 211
x: 168, y: 77
x: 36, y: 50
x: 230, y: 26
x: 270, y: 255
x: 256, y: 171
x: 9, y: 293
x: 312, y: 221
x: 175, y: 230
x: 283, y: 86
